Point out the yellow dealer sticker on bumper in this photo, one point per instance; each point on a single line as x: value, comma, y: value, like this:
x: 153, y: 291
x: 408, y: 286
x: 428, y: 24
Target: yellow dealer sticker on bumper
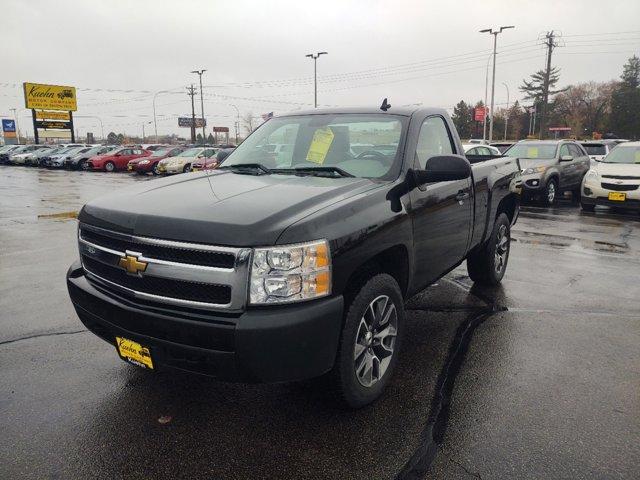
x: 134, y: 353
x: 320, y: 144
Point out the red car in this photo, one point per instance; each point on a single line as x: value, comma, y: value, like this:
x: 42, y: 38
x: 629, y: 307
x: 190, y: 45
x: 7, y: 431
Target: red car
x: 116, y: 160
x: 211, y: 162
x: 148, y: 164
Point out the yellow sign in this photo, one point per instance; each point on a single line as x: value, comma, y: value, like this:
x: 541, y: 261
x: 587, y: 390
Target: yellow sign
x: 42, y: 115
x: 532, y: 152
x: 320, y: 144
x: 54, y: 134
x: 131, y: 264
x: 134, y: 352
x: 50, y: 97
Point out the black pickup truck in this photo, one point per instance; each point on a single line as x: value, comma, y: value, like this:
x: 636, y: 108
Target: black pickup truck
x: 290, y: 263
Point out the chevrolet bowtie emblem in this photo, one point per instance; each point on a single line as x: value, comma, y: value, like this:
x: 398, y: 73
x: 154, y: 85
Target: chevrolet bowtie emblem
x: 131, y: 264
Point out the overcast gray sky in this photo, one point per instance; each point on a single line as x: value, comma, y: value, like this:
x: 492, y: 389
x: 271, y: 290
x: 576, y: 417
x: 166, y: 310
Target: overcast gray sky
x: 410, y: 51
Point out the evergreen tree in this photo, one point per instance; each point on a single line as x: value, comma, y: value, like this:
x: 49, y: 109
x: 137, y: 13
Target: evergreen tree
x: 625, y: 102
x: 463, y: 119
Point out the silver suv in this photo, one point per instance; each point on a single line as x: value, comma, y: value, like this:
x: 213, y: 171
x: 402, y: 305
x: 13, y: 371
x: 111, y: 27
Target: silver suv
x: 550, y: 167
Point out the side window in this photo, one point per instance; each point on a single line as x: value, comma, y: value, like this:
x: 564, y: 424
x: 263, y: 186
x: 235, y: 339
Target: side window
x: 433, y: 140
x: 564, y: 150
x: 576, y: 151
x: 472, y: 152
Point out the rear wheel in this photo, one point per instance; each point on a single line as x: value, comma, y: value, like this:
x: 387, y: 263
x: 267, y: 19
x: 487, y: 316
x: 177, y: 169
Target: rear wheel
x: 488, y: 265
x: 109, y: 167
x: 82, y: 165
x: 187, y: 168
x: 370, y: 341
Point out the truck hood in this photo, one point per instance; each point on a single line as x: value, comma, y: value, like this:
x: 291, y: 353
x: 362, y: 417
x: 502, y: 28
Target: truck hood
x: 219, y: 207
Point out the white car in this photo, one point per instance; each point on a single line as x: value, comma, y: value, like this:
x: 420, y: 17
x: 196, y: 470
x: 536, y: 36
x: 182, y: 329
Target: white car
x: 474, y: 149
x: 182, y: 163
x: 598, y: 149
x: 20, y: 157
x: 615, y: 180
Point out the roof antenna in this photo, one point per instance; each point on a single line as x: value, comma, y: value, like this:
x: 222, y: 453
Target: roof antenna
x: 385, y: 105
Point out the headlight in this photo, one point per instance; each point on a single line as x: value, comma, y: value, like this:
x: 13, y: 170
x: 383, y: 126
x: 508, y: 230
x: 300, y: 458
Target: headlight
x: 592, y: 174
x: 144, y: 162
x: 529, y: 171
x: 290, y: 273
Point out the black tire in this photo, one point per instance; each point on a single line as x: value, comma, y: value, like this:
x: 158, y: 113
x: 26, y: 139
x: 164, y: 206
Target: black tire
x: 109, y: 167
x: 550, y: 193
x: 488, y: 265
x: 187, y: 168
x: 352, y: 392
x: 587, y: 207
x: 82, y: 165
x: 576, y: 195
x: 154, y: 169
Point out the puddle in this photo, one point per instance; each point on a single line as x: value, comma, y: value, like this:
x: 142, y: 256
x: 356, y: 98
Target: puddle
x: 562, y: 241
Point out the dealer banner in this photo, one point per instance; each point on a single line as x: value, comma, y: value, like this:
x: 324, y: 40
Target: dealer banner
x: 50, y: 97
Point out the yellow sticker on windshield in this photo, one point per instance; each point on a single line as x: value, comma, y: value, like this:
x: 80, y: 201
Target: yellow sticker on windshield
x: 532, y: 152
x: 637, y: 160
x: 320, y: 144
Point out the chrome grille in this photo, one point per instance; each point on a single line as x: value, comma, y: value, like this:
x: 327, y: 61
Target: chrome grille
x: 176, y: 273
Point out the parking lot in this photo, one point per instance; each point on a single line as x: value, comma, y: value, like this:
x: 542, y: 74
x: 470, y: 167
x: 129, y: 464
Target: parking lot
x: 537, y: 378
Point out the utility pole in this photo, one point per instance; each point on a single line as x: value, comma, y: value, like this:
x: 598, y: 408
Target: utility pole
x: 506, y: 119
x: 315, y: 57
x: 204, y: 134
x: 550, y: 42
x: 192, y: 93
x: 486, y: 88
x: 493, y: 80
x: 237, y: 122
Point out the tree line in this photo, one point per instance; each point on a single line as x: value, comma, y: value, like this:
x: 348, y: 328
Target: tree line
x: 591, y: 109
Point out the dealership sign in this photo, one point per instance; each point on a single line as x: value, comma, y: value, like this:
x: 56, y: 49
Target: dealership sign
x: 9, y: 128
x: 479, y: 113
x: 188, y: 122
x: 50, y: 97
x: 221, y: 129
x: 42, y: 115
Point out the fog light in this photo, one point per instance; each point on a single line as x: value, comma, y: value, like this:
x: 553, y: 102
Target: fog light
x: 587, y: 191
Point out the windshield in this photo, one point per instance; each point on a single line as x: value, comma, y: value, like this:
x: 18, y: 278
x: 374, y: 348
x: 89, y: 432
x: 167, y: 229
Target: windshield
x: 325, y: 141
x: 161, y: 152
x: 624, y: 154
x: 533, y: 150
x: 192, y: 152
x: 595, y: 148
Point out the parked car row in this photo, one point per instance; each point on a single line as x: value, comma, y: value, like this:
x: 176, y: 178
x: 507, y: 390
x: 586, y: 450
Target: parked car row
x: 142, y: 159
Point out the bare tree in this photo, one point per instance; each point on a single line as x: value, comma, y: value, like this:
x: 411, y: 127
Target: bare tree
x: 585, y: 106
x: 248, y: 122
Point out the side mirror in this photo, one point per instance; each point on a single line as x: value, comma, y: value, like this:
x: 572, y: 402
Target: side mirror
x: 443, y: 168
x: 566, y: 158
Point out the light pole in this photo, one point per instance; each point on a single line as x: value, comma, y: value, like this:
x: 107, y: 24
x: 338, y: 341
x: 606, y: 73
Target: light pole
x: 506, y: 119
x: 15, y: 119
x: 315, y: 57
x: 155, y: 123
x: 237, y: 121
x: 204, y: 135
x: 493, y: 79
x: 486, y: 88
x: 97, y: 118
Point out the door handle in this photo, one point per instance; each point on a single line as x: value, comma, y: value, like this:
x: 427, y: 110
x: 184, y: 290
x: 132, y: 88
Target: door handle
x: 462, y: 196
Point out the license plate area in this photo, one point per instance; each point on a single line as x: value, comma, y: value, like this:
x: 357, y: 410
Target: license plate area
x: 135, y: 353
x: 617, y: 196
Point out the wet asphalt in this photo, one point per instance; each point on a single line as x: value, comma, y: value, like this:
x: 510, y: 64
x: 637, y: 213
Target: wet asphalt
x: 538, y: 378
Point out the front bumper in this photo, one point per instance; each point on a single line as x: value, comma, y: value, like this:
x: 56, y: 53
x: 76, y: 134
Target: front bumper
x: 272, y: 344
x: 593, y: 193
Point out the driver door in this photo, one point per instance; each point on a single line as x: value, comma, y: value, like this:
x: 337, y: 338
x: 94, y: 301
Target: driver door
x: 441, y: 212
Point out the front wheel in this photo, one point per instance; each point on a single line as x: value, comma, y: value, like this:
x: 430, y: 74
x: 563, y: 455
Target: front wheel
x: 488, y: 265
x: 370, y: 341
x: 109, y: 167
x: 155, y: 169
x: 587, y: 207
x: 550, y: 193
x: 187, y: 168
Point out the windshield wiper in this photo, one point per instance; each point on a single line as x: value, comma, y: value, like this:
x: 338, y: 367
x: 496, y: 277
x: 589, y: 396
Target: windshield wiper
x: 243, y: 167
x: 312, y: 171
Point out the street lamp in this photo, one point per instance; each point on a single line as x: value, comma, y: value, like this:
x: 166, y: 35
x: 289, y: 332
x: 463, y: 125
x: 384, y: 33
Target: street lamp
x: 486, y: 88
x: 315, y: 57
x: 506, y: 119
x: 493, y: 80
x: 15, y: 119
x: 97, y: 118
x: 204, y: 135
x: 155, y: 123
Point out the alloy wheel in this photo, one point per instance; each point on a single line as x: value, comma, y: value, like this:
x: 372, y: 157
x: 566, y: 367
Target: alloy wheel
x: 502, y: 248
x: 375, y: 340
x: 551, y: 192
